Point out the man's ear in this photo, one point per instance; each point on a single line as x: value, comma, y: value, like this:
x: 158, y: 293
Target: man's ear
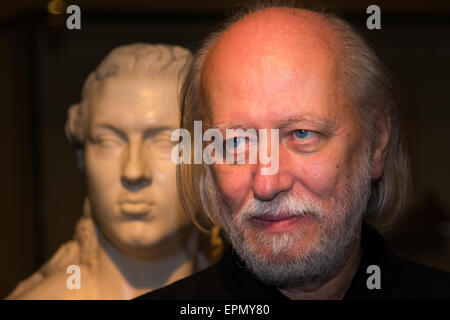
x: 380, y: 147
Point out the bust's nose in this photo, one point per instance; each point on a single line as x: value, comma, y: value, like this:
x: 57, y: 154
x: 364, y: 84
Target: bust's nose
x: 136, y: 173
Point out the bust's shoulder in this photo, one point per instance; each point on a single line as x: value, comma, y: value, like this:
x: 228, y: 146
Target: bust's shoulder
x: 58, y: 287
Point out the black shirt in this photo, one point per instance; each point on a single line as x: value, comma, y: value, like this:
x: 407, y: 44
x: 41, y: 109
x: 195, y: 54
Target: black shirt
x: 229, y: 279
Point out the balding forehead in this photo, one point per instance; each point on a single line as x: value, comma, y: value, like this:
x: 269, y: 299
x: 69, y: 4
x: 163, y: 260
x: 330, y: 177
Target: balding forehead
x: 289, y: 17
x: 279, y: 41
x: 277, y: 27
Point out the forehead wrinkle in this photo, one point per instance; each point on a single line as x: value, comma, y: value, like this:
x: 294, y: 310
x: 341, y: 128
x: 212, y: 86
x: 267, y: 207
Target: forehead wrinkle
x: 230, y: 125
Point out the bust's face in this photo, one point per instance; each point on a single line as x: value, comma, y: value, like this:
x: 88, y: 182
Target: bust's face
x: 130, y: 176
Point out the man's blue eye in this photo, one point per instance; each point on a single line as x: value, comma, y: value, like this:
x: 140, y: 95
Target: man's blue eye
x: 235, y: 143
x: 303, y: 134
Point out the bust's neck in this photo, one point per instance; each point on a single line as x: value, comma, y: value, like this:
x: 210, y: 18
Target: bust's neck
x: 120, y: 276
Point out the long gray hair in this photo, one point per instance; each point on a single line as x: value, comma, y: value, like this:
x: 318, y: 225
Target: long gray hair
x: 365, y: 82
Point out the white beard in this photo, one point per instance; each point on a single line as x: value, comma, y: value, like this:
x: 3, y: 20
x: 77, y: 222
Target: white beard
x: 338, y: 222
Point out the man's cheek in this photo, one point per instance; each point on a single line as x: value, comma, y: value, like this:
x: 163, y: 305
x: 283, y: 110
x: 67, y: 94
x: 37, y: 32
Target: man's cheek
x: 318, y: 177
x: 234, y: 183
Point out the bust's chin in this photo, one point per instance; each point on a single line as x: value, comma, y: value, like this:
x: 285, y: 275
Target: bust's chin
x: 141, y: 240
x: 119, y: 241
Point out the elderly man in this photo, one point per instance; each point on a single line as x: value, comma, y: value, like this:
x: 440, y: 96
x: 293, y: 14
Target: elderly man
x: 306, y: 231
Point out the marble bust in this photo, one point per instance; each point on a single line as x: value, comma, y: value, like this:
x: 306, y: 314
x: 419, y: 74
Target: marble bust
x: 133, y: 236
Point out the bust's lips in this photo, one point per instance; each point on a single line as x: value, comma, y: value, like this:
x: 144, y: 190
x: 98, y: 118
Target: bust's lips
x: 135, y: 208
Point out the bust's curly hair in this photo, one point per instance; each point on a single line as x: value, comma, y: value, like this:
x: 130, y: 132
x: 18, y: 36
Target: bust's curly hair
x: 137, y: 60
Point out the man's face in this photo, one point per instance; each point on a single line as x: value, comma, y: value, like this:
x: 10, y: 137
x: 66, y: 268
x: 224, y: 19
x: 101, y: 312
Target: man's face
x: 298, y: 224
x: 130, y: 176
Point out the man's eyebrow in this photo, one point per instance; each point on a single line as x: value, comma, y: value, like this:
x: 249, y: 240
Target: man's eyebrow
x: 323, y: 122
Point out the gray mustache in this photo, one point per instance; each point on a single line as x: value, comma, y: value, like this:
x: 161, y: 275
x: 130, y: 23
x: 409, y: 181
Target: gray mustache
x: 286, y: 205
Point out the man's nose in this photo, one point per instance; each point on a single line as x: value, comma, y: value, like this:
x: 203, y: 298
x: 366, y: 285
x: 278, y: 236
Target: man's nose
x: 267, y: 187
x: 136, y: 173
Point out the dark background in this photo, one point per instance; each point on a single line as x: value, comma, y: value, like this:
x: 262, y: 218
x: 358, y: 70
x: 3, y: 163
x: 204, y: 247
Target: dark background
x: 43, y: 66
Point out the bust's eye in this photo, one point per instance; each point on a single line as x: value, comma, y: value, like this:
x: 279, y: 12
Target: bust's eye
x: 303, y: 134
x: 108, y: 142
x: 163, y: 142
